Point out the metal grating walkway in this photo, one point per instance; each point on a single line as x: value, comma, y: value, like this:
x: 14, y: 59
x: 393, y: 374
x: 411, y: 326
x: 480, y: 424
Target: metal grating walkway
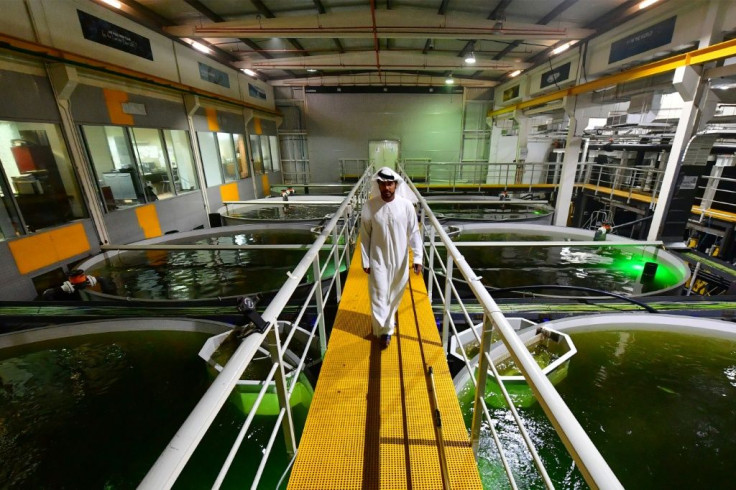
x: 371, y: 424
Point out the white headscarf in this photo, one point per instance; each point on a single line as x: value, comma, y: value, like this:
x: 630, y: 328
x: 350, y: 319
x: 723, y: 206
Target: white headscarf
x: 386, y: 174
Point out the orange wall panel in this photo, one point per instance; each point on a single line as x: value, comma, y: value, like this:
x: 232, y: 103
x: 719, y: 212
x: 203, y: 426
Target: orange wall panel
x: 229, y: 192
x: 43, y: 249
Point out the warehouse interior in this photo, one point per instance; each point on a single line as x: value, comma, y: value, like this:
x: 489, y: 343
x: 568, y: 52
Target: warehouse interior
x: 145, y: 144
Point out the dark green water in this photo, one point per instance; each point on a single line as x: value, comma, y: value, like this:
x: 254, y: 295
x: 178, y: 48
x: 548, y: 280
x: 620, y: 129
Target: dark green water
x: 614, y: 269
x: 661, y: 409
x: 297, y: 212
x: 484, y: 212
x: 96, y: 411
x: 184, y: 275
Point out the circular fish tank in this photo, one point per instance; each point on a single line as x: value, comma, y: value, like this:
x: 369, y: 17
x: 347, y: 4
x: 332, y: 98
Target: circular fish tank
x: 203, y: 276
x: 272, y: 210
x: 655, y: 393
x: 584, y: 271
x: 93, y: 405
x: 479, y: 208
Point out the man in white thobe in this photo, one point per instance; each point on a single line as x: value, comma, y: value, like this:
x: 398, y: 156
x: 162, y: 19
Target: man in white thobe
x: 388, y: 227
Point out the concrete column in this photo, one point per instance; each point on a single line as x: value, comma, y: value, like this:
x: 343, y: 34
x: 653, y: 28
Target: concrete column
x: 688, y: 83
x: 64, y: 81
x: 191, y: 104
x: 569, y: 168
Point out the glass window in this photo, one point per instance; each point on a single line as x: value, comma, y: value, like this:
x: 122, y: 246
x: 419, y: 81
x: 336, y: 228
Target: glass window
x: 255, y: 149
x: 39, y: 187
x: 179, y: 151
x: 114, y: 165
x: 275, y: 156
x: 227, y: 156
x: 266, y: 153
x: 210, y: 158
x: 241, y: 155
x: 152, y: 160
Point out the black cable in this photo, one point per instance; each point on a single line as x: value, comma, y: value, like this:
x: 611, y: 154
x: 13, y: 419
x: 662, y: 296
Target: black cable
x: 575, y: 288
x: 552, y: 70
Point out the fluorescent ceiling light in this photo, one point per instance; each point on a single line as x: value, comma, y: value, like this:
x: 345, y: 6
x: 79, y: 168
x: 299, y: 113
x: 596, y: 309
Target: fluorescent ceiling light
x: 470, y: 59
x: 113, y: 3
x: 647, y: 3
x: 200, y: 47
x: 514, y: 73
x: 311, y: 70
x: 249, y: 72
x: 561, y: 48
x: 449, y: 80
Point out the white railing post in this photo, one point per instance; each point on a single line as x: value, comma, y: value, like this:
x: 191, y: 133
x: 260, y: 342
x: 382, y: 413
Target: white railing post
x: 287, y: 422
x: 346, y: 237
x: 320, y: 305
x: 480, y: 387
x: 336, y: 256
x: 430, y: 264
x: 448, y: 300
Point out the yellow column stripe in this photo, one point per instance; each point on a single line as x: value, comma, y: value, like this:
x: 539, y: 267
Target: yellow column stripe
x: 148, y: 220
x: 212, y: 123
x: 265, y: 185
x: 114, y: 100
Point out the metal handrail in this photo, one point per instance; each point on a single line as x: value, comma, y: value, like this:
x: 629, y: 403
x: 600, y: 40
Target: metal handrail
x: 172, y: 461
x: 592, y: 466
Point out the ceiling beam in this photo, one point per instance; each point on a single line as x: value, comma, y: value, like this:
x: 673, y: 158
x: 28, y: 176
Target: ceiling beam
x: 386, y: 78
x: 321, y: 10
x: 400, y: 23
x: 390, y: 60
x: 551, y: 15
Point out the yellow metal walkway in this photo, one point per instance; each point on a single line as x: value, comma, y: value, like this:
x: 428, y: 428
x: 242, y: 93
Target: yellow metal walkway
x: 370, y: 425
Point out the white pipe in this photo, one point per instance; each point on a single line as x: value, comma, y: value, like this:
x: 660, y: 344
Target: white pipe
x: 171, y: 462
x: 592, y: 466
x: 655, y: 243
x: 275, y: 201
x: 196, y: 247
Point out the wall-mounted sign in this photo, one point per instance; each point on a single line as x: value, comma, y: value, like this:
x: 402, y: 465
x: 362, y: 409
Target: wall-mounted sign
x: 213, y: 75
x: 652, y: 37
x: 510, y: 93
x: 556, y: 75
x: 256, y: 92
x: 110, y: 35
x: 134, y: 108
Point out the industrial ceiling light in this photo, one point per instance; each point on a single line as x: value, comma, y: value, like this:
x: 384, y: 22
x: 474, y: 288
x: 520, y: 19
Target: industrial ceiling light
x: 561, y: 48
x: 249, y: 72
x: 514, y: 73
x: 646, y: 3
x: 200, y: 47
x: 311, y: 70
x: 113, y: 3
x: 449, y: 80
x: 470, y: 59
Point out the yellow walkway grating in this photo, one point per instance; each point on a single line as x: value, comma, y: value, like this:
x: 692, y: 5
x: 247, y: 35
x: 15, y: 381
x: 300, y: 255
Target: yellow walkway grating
x: 370, y: 424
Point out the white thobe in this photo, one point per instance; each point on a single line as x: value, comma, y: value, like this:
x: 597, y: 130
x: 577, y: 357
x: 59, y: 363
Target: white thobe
x: 387, y: 230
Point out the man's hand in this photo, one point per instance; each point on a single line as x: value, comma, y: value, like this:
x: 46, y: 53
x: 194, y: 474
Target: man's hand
x: 418, y: 268
x: 367, y: 270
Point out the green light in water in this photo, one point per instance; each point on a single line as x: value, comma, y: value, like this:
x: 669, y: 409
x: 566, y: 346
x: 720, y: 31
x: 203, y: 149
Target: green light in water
x: 629, y: 266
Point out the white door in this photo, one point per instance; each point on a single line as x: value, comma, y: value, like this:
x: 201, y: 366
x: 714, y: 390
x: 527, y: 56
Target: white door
x: 383, y: 153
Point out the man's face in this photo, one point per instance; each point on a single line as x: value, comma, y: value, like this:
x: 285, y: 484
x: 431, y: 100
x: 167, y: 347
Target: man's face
x: 387, y: 190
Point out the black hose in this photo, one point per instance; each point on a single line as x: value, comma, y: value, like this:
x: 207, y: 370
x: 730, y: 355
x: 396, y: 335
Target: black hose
x: 576, y: 288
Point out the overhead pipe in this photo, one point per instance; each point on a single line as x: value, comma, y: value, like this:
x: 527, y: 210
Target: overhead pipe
x: 375, y: 38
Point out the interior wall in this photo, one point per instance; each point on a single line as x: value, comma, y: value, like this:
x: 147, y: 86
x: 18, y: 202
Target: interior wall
x: 341, y: 125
